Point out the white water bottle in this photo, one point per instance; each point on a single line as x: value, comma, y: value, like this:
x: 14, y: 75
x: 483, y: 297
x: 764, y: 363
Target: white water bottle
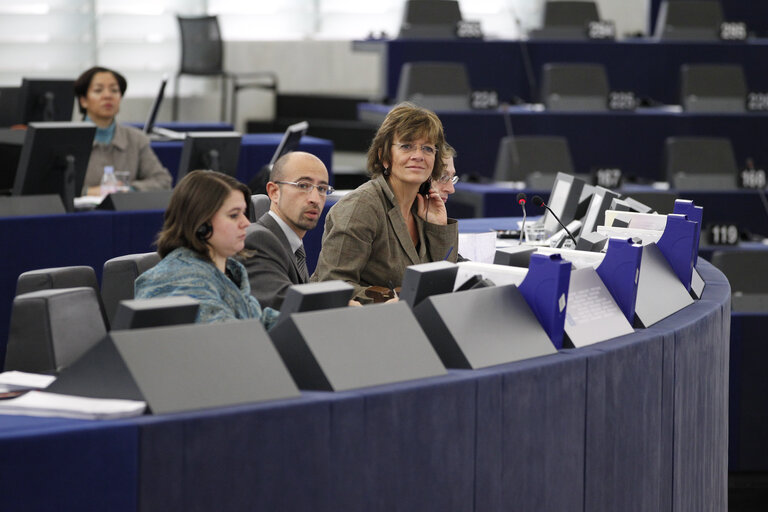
x: 109, y: 182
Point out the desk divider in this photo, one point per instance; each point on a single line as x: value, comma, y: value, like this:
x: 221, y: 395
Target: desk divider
x: 349, y: 348
x: 182, y: 368
x: 510, y: 331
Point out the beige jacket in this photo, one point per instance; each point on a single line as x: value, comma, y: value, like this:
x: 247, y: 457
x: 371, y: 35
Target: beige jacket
x: 366, y: 242
x: 128, y: 151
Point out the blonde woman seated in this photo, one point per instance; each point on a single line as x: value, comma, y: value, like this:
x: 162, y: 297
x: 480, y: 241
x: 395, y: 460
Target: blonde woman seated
x: 204, y: 228
x: 373, y: 233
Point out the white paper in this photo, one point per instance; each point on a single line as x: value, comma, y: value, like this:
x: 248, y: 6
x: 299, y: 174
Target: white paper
x: 15, y: 381
x: 40, y: 403
x: 478, y: 246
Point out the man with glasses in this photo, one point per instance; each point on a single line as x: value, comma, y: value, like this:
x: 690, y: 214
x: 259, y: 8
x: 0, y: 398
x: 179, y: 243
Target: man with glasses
x: 297, y: 188
x: 444, y: 184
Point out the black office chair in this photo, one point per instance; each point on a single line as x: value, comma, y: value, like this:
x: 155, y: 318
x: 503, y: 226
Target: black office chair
x: 50, y: 329
x: 574, y: 87
x: 747, y: 272
x: 118, y: 278
x: 534, y: 159
x: 61, y: 277
x: 690, y: 20
x: 712, y: 88
x: 202, y: 54
x: 700, y: 163
x: 430, y: 19
x: 435, y: 85
x: 566, y: 19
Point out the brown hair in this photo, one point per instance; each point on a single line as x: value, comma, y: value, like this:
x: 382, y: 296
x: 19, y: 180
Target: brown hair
x: 83, y: 82
x: 194, y: 202
x: 409, y: 122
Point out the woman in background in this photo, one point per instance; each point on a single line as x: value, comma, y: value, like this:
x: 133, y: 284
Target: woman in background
x: 99, y: 91
x: 204, y: 228
x: 396, y: 219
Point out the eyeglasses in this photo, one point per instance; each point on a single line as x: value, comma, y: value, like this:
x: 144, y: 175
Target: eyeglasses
x: 306, y: 187
x: 407, y: 147
x: 445, y: 179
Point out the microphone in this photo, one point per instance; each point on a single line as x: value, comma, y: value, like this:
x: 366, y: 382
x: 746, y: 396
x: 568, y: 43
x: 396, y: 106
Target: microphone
x: 538, y: 201
x: 521, y: 201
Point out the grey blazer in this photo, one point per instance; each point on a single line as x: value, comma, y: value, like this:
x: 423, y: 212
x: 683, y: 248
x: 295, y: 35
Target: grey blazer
x: 272, y: 267
x: 366, y: 242
x: 129, y: 151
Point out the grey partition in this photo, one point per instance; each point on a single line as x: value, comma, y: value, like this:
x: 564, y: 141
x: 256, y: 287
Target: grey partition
x: 349, y: 348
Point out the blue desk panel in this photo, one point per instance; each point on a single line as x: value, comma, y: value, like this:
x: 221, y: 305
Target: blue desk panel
x: 630, y: 141
x: 635, y: 423
x: 648, y: 68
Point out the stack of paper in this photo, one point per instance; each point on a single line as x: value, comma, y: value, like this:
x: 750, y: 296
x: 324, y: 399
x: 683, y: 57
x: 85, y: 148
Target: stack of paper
x: 40, y: 403
x: 17, y: 381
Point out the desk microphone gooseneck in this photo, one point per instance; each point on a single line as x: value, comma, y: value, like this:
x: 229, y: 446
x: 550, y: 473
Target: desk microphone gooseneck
x: 538, y: 201
x: 521, y: 201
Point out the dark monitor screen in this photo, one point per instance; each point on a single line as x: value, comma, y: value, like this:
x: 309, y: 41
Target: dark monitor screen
x: 46, y: 100
x: 155, y: 107
x: 290, y: 141
x: 54, y: 159
x: 157, y: 312
x: 315, y: 296
x: 213, y: 151
x: 9, y: 106
x: 563, y: 201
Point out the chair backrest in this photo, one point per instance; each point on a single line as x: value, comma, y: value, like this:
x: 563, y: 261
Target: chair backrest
x: 700, y: 162
x: 520, y: 157
x: 261, y: 204
x: 712, y: 88
x: 574, y: 87
x: 202, y: 50
x: 746, y: 270
x: 61, y: 277
x: 689, y: 20
x: 51, y: 329
x: 435, y: 85
x: 430, y: 19
x: 570, y: 13
x: 119, y: 275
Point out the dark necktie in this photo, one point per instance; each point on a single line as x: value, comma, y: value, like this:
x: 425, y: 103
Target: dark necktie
x: 301, y: 262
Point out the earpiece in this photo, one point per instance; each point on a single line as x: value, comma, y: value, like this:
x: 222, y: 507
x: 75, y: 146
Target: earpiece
x: 204, y: 232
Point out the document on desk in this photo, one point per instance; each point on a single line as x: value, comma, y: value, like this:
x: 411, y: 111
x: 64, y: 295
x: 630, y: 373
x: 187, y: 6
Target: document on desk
x: 40, y: 403
x: 15, y: 381
x: 479, y: 247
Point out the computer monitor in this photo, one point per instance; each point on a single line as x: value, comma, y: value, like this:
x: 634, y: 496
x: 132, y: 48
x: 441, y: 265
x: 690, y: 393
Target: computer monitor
x: 212, y: 151
x: 156, y: 312
x: 290, y: 141
x: 563, y: 201
x: 153, y: 111
x: 54, y: 159
x: 315, y: 296
x: 601, y: 201
x: 46, y: 100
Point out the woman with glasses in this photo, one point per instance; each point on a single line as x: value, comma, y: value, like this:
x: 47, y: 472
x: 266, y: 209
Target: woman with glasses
x: 204, y: 228
x: 397, y: 219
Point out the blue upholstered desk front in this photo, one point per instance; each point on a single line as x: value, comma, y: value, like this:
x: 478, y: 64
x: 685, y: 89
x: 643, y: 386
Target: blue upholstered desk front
x: 634, y: 423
